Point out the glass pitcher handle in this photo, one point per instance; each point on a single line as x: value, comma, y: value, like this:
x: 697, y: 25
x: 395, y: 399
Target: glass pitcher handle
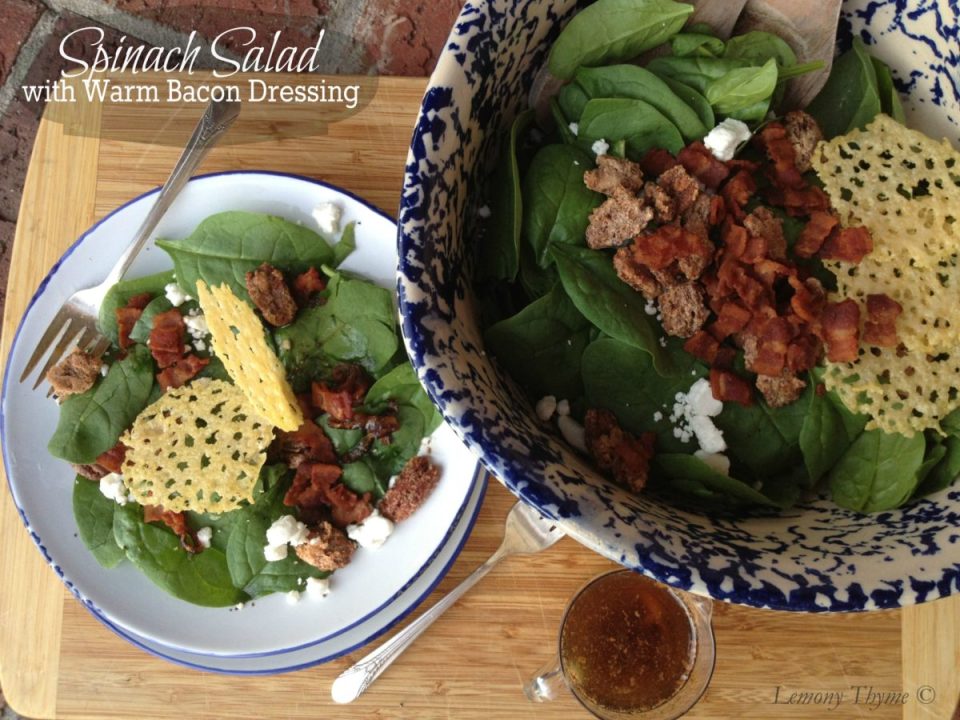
x: 547, y: 684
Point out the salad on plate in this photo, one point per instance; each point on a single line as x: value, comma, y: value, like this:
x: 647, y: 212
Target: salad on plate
x: 717, y: 298
x: 254, y: 422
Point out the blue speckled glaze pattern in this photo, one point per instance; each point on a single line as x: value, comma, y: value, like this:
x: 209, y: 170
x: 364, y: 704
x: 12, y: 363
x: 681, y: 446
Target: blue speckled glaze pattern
x: 814, y: 557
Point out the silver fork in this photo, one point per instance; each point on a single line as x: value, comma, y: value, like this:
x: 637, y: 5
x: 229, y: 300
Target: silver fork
x: 76, y: 321
x: 525, y: 533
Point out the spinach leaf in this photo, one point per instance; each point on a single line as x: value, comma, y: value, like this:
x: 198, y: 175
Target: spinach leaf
x: 637, y: 83
x: 501, y: 251
x: 638, y: 122
x: 248, y: 568
x: 119, y: 294
x: 343, y: 439
x: 201, y: 578
x: 697, y: 72
x: 621, y: 378
x: 362, y: 478
x: 389, y: 458
x: 562, y: 124
x: 141, y: 330
x: 556, y: 203
x: 766, y: 440
x: 94, y: 515
x: 697, y: 102
x: 951, y: 423
x: 356, y: 324
x: 759, y: 47
x: 537, y: 281
x: 890, y: 102
x: 943, y: 474
x: 614, y: 30
x: 828, y: 429
x: 850, y: 98
x: 402, y: 387
x: 225, y: 246
x: 345, y: 245
x: 694, y: 43
x: 572, y: 99
x: 609, y: 303
x: 742, y: 88
x: 694, y: 470
x: 878, y: 471
x: 91, y: 422
x: 540, y: 347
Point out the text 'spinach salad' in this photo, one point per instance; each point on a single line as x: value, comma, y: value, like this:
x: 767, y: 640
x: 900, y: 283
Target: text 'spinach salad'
x: 732, y: 303
x: 229, y: 456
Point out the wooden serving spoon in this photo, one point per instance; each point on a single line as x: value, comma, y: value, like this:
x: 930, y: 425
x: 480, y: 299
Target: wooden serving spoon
x: 809, y: 27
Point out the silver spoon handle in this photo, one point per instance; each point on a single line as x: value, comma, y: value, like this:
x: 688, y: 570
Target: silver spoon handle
x: 353, y: 681
x: 214, y: 123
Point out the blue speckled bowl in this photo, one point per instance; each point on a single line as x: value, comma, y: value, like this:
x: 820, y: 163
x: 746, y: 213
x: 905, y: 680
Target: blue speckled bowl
x: 814, y: 557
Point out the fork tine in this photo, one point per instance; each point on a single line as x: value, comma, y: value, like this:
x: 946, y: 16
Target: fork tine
x: 99, y: 346
x: 87, y: 336
x: 73, y: 329
x: 49, y: 336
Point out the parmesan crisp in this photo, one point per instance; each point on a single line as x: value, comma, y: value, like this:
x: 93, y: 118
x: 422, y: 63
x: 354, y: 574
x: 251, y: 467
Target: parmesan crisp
x: 199, y: 447
x: 237, y: 337
x: 905, y: 189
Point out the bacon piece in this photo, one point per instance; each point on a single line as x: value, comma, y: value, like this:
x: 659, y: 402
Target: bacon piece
x: 718, y: 210
x: 735, y: 239
x: 701, y: 163
x: 737, y: 164
x: 177, y: 522
x: 850, y: 244
x: 656, y: 162
x: 703, y: 346
x: 783, y: 171
x: 112, y: 459
x: 127, y: 317
x: 736, y: 279
x: 181, y: 372
x: 768, y: 271
x: 670, y: 243
x: 737, y: 192
x: 625, y: 456
x: 840, y: 325
x: 306, y: 285
x: 310, y: 484
x: 762, y: 223
x: 814, y: 234
x: 880, y: 326
x: 410, y: 490
x: 308, y: 443
x: 808, y: 298
x: 269, y: 291
x: 803, y: 353
x: 346, y: 507
x: 728, y: 387
x: 771, y: 353
x: 732, y: 318
x: 800, y: 201
x: 347, y: 388
x: 166, y: 337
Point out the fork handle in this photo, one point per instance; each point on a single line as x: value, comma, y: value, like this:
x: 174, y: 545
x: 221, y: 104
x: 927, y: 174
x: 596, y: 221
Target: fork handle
x: 352, y: 683
x: 218, y: 116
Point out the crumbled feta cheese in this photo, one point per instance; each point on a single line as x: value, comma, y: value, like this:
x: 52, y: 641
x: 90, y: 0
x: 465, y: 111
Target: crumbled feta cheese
x: 287, y: 529
x: 650, y: 308
x: 239, y: 606
x: 546, y: 407
x: 572, y: 432
x: 199, y: 345
x: 662, y: 341
x: 372, y: 532
x: 104, y: 369
x: 273, y: 553
x: 483, y: 211
x: 701, y: 400
x: 657, y: 416
x: 112, y: 487
x: 563, y: 407
x: 196, y: 325
x: 574, y: 128
x: 204, y: 536
x: 293, y: 597
x: 709, y: 437
x: 600, y: 147
x: 716, y: 461
x: 726, y: 137
x: 318, y: 588
x: 327, y: 215
x: 175, y: 294
x: 285, y: 344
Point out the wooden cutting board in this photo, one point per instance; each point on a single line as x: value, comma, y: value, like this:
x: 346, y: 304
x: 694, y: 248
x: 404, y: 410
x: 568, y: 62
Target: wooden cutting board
x: 57, y: 661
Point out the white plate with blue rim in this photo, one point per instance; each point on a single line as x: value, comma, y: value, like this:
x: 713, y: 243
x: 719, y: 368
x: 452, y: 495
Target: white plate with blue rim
x: 42, y: 485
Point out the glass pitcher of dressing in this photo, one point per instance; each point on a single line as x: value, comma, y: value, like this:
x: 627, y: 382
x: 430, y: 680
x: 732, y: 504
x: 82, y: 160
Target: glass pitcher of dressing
x: 630, y: 647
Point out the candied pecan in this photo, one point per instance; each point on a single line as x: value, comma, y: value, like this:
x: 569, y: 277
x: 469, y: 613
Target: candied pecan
x: 269, y: 292
x: 412, y: 487
x: 613, y: 174
x: 880, y: 326
x: 683, y: 188
x: 698, y: 218
x: 683, y: 309
x: 762, y: 223
x: 780, y: 390
x: 664, y: 207
x: 613, y: 449
x: 804, y: 133
x: 76, y: 373
x: 619, y: 219
x: 327, y: 547
x: 635, y: 274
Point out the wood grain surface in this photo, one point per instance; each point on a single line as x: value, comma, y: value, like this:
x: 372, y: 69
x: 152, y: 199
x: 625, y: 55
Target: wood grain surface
x: 57, y: 661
